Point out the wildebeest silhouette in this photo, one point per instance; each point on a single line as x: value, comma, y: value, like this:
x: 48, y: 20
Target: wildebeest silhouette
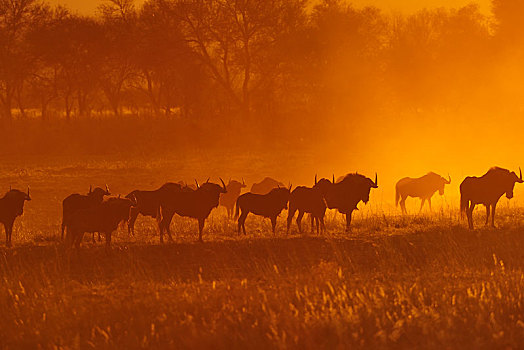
x: 148, y: 203
x: 265, y: 186
x: 487, y: 190
x: 422, y: 187
x: 11, y: 206
x: 103, y: 217
x: 229, y: 199
x: 267, y: 205
x: 194, y: 204
x: 188, y: 186
x: 76, y: 201
x: 346, y: 194
x: 307, y: 200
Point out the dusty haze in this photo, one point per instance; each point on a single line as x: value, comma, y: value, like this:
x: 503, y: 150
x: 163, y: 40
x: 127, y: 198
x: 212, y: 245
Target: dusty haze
x: 335, y: 88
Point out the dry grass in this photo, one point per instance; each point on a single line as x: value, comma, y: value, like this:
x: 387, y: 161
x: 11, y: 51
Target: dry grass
x: 393, y: 282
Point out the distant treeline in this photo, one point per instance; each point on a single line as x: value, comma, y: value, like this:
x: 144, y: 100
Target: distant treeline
x: 271, y: 62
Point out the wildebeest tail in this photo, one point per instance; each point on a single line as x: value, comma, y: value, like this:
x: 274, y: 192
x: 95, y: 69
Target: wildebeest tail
x: 463, y: 204
x: 237, y: 209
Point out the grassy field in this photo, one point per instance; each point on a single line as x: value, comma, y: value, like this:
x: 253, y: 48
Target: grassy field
x: 393, y: 282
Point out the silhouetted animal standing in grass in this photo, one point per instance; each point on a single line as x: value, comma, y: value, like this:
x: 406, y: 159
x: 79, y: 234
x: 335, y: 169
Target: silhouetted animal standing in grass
x: 11, y: 206
x: 148, y: 203
x: 76, y: 201
x: 102, y: 217
x: 422, y: 187
x: 346, y: 194
x: 265, y: 186
x: 307, y: 200
x: 487, y: 190
x: 267, y: 205
x: 194, y: 204
x: 229, y: 199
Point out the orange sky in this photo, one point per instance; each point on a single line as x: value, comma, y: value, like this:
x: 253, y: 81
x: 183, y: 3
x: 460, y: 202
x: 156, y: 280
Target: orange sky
x: 89, y: 6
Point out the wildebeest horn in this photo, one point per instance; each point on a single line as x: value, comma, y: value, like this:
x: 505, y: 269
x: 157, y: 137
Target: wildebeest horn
x: 520, y: 176
x: 207, y: 181
x: 223, y: 184
x: 290, y: 187
x: 449, y: 181
x: 28, y: 191
x: 243, y: 183
x: 90, y: 188
x: 315, y: 179
x: 197, y: 185
x: 107, y: 189
x: 376, y: 179
x: 333, y: 178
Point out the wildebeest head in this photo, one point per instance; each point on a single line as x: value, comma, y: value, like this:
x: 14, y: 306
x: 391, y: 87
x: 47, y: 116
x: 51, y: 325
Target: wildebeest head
x: 510, y: 181
x: 358, y: 186
x: 437, y: 181
x: 234, y: 185
x: 17, y: 199
x: 443, y: 182
x: 213, y: 187
x: 98, y: 193
x: 187, y: 187
x: 371, y: 184
x: 323, y: 185
x: 132, y: 198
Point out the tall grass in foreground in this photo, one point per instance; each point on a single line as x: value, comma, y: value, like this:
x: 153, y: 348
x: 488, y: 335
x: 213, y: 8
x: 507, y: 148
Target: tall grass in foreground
x: 434, y: 286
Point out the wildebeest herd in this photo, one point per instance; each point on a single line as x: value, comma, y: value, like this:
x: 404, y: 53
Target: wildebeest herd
x: 93, y: 213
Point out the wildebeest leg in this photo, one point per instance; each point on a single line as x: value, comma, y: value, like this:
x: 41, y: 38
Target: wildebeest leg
x: 242, y: 221
x: 133, y: 215
x: 290, y: 215
x: 493, y: 215
x: 429, y: 203
x: 313, y: 221
x: 200, y: 228
x: 403, y: 205
x: 348, y: 220
x: 168, y: 230
x: 165, y: 225
x: 77, y: 239
x: 299, y: 221
x: 108, y: 239
x: 469, y: 213
x: 422, y: 204
x: 9, y: 229
x: 68, y: 242
x: 274, y: 223
x: 322, y: 226
x: 6, y: 235
x: 487, y: 213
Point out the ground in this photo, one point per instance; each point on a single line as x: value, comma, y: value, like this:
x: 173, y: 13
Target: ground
x: 401, y: 282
